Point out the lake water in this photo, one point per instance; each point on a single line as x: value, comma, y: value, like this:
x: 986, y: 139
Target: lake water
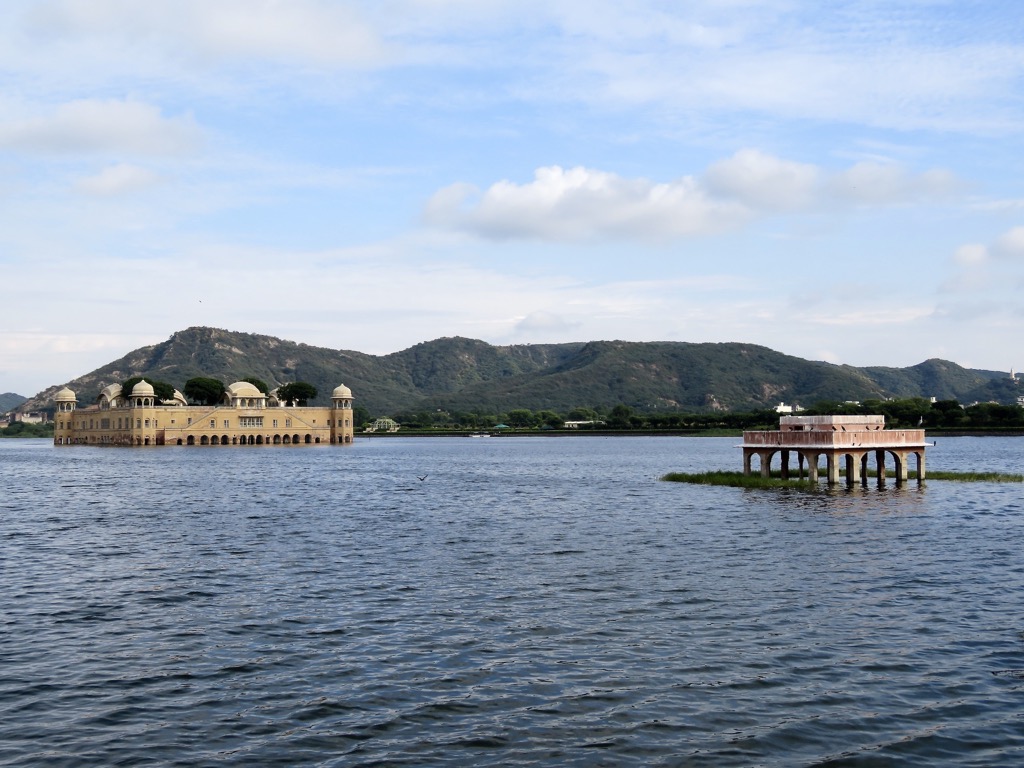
x: 531, y: 602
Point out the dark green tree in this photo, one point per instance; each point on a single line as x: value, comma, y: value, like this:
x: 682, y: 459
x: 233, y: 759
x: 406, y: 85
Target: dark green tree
x: 360, y: 415
x: 664, y: 420
x: 987, y: 415
x: 204, y: 390
x: 550, y: 419
x: 128, y: 384
x: 619, y: 416
x: 946, y: 413
x: 580, y: 413
x: 298, y: 392
x: 21, y: 429
x: 521, y: 418
x: 905, y: 413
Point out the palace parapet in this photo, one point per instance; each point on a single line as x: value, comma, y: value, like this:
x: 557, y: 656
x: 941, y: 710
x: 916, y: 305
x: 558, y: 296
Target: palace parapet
x: 852, y: 438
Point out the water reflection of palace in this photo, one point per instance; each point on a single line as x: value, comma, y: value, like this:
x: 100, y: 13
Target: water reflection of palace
x: 246, y: 416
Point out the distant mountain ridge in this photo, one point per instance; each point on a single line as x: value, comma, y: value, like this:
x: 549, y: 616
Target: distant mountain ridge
x: 9, y: 401
x: 456, y: 373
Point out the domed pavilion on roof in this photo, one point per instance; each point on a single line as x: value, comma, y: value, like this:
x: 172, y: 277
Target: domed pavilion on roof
x: 246, y: 416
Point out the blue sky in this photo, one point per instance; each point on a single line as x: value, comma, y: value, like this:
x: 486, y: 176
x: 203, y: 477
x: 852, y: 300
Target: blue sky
x: 840, y: 184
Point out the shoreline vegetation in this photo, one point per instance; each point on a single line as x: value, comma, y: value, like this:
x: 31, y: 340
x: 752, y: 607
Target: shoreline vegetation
x: 23, y: 429
x: 20, y: 429
x: 646, y: 432
x: 943, y: 418
x: 739, y: 480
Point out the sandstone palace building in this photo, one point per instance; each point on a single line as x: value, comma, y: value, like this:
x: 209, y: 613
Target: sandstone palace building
x: 849, y: 439
x: 245, y: 417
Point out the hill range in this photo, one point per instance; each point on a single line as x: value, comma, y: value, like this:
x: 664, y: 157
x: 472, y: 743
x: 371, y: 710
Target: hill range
x: 9, y: 401
x: 459, y: 374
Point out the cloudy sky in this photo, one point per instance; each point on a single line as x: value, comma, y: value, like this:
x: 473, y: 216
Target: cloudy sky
x: 840, y: 181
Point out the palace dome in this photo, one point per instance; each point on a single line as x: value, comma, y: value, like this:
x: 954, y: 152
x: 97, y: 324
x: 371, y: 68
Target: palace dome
x: 65, y: 395
x: 111, y: 392
x: 340, y: 392
x: 243, y: 389
x: 143, y: 389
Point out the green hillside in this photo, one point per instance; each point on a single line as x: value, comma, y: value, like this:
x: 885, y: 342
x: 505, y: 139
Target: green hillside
x: 469, y: 375
x: 939, y: 378
x: 9, y: 401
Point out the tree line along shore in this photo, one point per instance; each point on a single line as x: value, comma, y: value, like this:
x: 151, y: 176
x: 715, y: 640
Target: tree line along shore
x: 943, y: 417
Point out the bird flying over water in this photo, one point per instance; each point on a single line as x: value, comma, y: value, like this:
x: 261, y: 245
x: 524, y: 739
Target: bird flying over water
x: 421, y: 479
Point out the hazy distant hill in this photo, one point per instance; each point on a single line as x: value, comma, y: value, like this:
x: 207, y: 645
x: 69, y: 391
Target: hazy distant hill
x: 9, y: 401
x: 466, y: 374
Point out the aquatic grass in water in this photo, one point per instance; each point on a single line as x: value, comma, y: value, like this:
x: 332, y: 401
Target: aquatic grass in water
x: 737, y: 480
x: 775, y: 480
x: 974, y: 477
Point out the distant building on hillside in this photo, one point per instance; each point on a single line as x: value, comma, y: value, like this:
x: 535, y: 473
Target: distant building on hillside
x: 32, y: 417
x: 384, y: 424
x: 783, y: 408
x: 245, y: 417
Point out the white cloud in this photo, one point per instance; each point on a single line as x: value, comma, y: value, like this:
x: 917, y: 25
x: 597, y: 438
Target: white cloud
x: 1010, y: 245
x: 968, y: 281
x: 978, y: 259
x: 103, y: 125
x: 540, y: 324
x: 999, y: 206
x: 990, y: 271
x: 42, y: 358
x: 886, y: 183
x: 879, y: 315
x: 116, y: 180
x: 762, y: 181
x: 910, y: 68
x: 970, y: 255
x: 584, y: 203
x: 297, y: 30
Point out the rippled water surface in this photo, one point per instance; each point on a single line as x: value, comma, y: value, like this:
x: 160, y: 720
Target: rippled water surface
x: 532, y: 601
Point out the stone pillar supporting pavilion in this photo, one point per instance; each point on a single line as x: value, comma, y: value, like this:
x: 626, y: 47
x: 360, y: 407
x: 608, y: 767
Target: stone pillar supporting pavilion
x: 852, y: 440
